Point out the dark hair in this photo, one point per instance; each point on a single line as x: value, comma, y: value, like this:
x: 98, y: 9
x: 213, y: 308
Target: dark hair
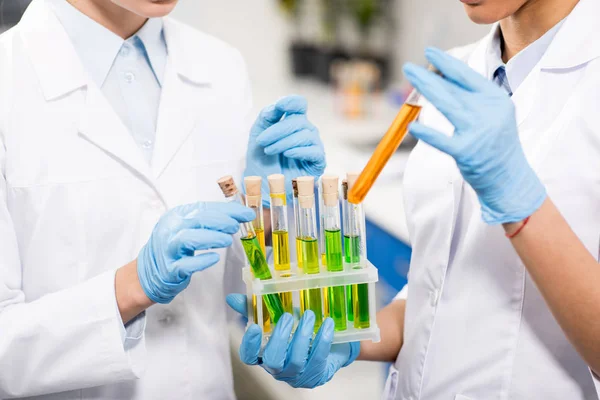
x: 11, y: 12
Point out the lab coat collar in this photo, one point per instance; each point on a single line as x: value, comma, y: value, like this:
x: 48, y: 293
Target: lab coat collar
x: 52, y: 54
x: 577, y: 41
x: 187, y: 55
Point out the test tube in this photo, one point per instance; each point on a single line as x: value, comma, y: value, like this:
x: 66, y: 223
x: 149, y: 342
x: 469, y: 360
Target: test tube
x: 254, y: 201
x: 308, y: 242
x: 326, y: 310
x: 333, y: 248
x: 253, y: 250
x: 348, y: 258
x: 280, y: 233
x: 355, y: 251
x: 387, y: 146
x: 303, y: 298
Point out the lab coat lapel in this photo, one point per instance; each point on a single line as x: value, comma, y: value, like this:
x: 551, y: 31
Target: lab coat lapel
x: 60, y: 72
x: 103, y: 127
x: 187, y: 88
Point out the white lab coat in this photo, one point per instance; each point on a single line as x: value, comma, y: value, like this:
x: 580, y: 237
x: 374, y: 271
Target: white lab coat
x: 78, y: 200
x: 494, y: 337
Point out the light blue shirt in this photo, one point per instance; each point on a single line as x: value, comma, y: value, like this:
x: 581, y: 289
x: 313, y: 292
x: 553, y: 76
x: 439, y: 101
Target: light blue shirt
x: 129, y: 72
x: 510, y: 75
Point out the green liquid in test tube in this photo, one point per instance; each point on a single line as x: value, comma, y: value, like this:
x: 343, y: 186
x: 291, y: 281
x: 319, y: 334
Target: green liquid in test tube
x: 252, y: 248
x: 306, y: 223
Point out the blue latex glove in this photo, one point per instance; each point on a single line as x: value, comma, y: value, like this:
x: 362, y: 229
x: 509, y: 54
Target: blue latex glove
x: 485, y: 143
x: 166, y: 263
x: 283, y: 141
x: 298, y: 363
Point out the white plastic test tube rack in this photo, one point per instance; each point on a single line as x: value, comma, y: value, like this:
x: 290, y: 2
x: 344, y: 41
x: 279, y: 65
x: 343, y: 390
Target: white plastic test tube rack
x: 295, y: 280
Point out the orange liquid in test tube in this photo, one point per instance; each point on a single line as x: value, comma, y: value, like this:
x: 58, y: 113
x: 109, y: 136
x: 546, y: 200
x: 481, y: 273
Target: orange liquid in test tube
x: 384, y: 151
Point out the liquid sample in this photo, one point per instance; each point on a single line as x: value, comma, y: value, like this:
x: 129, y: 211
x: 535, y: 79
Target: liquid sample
x: 336, y: 295
x: 303, y: 294
x: 384, y: 151
x: 351, y: 256
x: 281, y: 250
x: 360, y: 294
x: 333, y: 250
x: 260, y: 269
x: 260, y: 234
x: 309, y: 254
x: 324, y: 259
x: 265, y: 314
x: 326, y: 310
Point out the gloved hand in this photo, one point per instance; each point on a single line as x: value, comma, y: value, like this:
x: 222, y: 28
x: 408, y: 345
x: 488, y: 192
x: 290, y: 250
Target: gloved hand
x: 297, y: 362
x: 485, y: 143
x: 166, y: 263
x: 283, y: 141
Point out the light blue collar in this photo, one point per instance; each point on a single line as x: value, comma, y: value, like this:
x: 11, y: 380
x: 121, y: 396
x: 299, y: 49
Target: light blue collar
x: 523, y: 63
x: 97, y: 46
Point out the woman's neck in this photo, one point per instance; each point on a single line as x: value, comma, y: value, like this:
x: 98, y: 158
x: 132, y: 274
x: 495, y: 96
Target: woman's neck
x: 117, y: 19
x: 530, y: 22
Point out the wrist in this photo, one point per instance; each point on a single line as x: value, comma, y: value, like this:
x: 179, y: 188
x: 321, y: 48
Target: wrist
x: 131, y: 298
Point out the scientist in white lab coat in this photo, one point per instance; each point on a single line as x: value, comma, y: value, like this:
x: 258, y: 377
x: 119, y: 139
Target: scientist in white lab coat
x: 111, y: 117
x: 502, y: 198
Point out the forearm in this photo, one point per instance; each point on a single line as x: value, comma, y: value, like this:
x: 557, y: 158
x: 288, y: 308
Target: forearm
x: 567, y: 275
x: 131, y: 298
x: 391, y: 324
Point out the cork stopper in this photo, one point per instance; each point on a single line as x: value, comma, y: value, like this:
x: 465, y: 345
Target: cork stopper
x: 306, y: 191
x: 306, y: 186
x: 330, y: 190
x: 276, y: 183
x: 295, y: 187
x: 352, y: 177
x: 227, y: 185
x: 345, y: 189
x: 253, y: 184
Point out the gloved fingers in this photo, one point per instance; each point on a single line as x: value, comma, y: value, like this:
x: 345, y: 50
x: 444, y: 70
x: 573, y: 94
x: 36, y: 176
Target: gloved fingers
x: 238, y: 302
x: 187, y: 266
x: 234, y: 210
x: 276, y: 349
x: 321, y: 347
x: 432, y: 137
x: 290, y: 125
x: 268, y: 116
x: 210, y: 220
x: 302, y: 138
x: 292, y: 104
x: 250, y: 347
x: 457, y: 71
x: 186, y: 241
x: 300, y: 345
x: 439, y: 92
x: 314, y: 154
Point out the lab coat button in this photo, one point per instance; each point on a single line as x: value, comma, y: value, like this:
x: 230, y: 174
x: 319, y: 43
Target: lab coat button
x: 147, y: 144
x: 167, y: 318
x: 433, y: 297
x: 129, y: 77
x: 125, y: 50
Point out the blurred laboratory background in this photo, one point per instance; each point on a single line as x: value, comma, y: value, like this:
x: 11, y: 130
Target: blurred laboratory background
x: 345, y: 57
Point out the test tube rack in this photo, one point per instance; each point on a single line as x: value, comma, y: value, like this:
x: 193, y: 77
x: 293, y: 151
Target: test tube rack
x: 295, y: 280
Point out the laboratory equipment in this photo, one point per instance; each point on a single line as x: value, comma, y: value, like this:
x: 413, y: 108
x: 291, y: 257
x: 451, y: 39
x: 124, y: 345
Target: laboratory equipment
x: 333, y: 248
x: 254, y: 253
x: 280, y: 233
x: 387, y: 147
x: 309, y: 246
x: 348, y: 254
x: 303, y: 302
x: 355, y: 253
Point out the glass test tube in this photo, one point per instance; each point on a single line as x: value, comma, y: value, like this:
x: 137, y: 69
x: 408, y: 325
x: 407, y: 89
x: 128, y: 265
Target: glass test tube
x: 347, y: 251
x: 326, y: 309
x: 253, y: 250
x: 309, y: 245
x: 387, y: 146
x: 254, y: 201
x: 280, y: 234
x: 333, y: 248
x: 355, y: 250
x: 303, y: 298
